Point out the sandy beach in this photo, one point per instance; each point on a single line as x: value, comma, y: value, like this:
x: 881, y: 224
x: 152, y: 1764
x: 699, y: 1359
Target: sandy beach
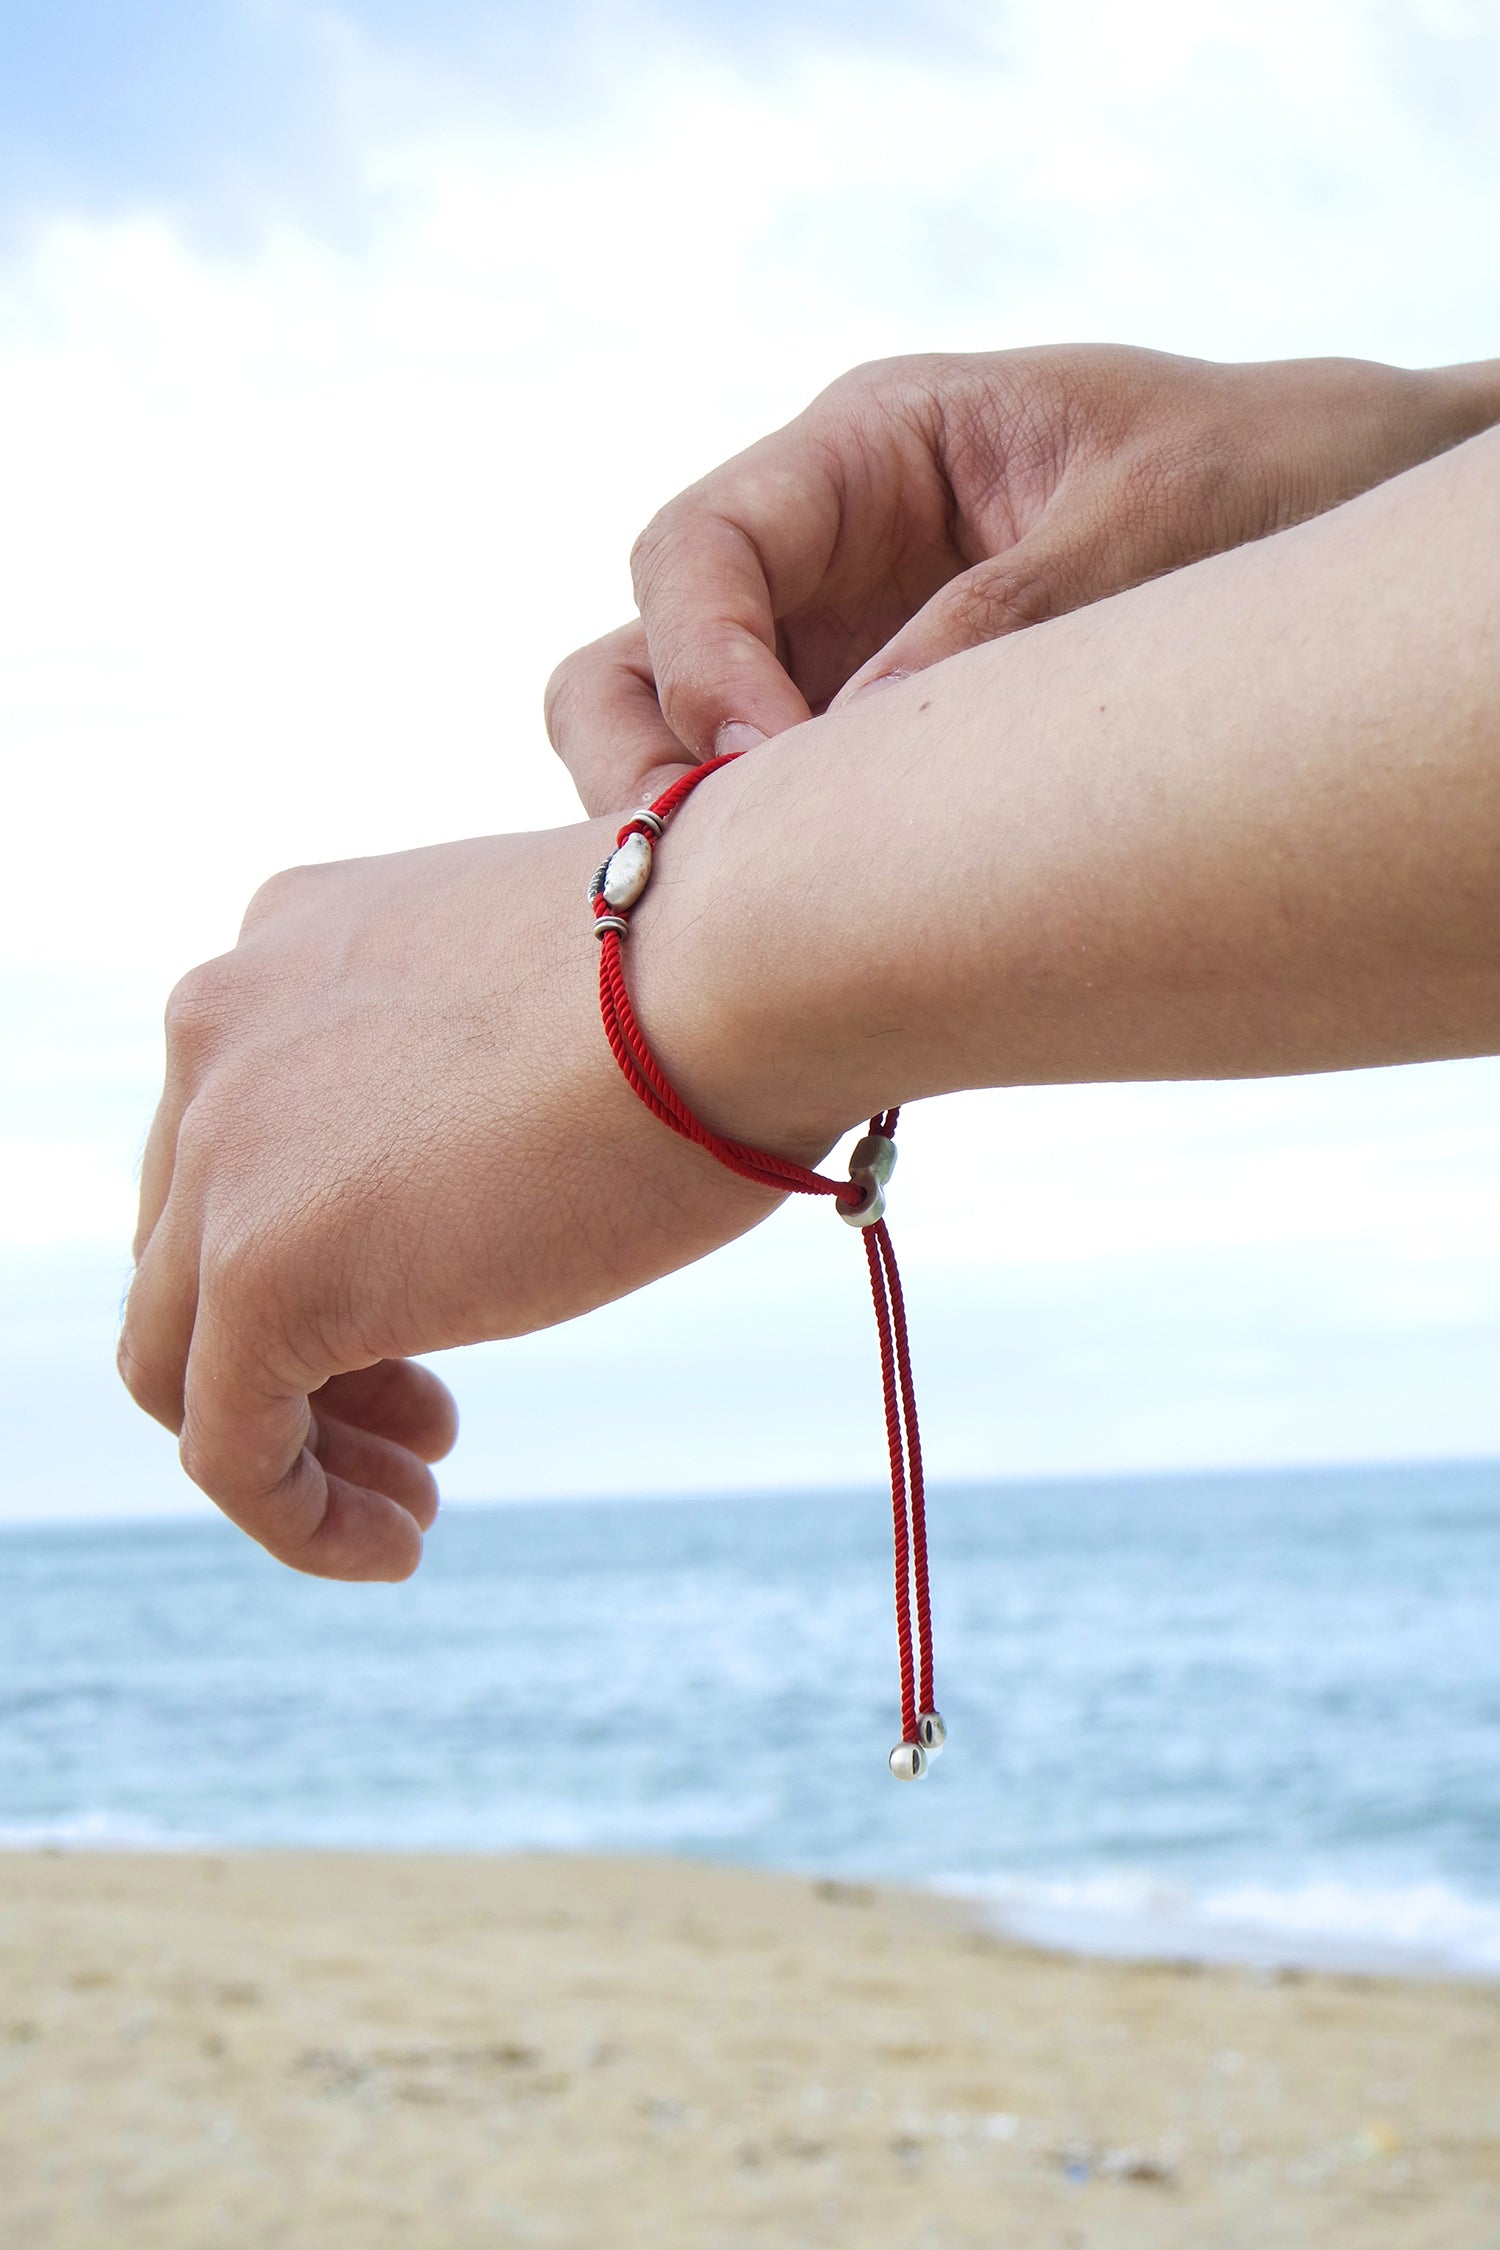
x: 360, y: 2051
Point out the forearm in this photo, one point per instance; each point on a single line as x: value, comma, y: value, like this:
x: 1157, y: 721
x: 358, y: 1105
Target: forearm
x: 1243, y: 820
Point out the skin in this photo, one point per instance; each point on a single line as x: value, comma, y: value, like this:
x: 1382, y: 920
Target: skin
x: 922, y: 506
x: 1243, y: 819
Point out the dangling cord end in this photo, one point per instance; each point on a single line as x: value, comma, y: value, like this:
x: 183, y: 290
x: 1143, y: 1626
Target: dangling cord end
x: 616, y: 887
x: 922, y: 1730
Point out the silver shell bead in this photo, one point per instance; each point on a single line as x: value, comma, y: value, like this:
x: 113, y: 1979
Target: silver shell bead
x: 628, y: 872
x: 931, y: 1732
x: 908, y: 1761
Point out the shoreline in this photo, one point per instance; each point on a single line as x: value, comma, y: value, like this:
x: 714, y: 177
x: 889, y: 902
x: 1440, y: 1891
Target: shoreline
x: 1323, y: 1924
x: 1247, y: 1927
x: 356, y: 2049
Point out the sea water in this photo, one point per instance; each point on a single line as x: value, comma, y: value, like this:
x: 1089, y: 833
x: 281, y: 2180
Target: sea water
x: 1255, y: 1715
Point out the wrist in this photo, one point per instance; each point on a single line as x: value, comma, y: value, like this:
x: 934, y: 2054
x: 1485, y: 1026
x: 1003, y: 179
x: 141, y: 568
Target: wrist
x: 743, y: 958
x: 1462, y: 400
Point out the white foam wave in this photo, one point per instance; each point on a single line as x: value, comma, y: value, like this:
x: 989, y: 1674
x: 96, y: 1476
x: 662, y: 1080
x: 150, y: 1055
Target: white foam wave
x: 91, y: 1831
x: 1325, y: 1922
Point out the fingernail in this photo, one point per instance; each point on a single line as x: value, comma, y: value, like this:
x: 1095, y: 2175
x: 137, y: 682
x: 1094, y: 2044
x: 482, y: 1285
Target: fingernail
x: 851, y: 694
x: 882, y: 680
x: 734, y: 736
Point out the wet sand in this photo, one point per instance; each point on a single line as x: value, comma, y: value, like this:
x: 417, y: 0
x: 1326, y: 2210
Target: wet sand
x: 438, y: 2054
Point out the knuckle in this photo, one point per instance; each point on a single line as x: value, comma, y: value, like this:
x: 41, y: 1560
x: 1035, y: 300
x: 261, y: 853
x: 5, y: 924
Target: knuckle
x: 1000, y: 599
x: 197, y: 1007
x: 154, y: 1389
x: 910, y: 391
x: 277, y: 892
x: 652, y: 547
x: 571, y: 686
x: 558, y: 698
x: 591, y: 681
x: 210, y: 1131
x: 144, y: 1383
x: 129, y: 1368
x: 198, y: 1457
x: 870, y: 375
x: 243, y: 1274
x: 190, y: 1453
x: 282, y: 1287
x: 1187, y: 490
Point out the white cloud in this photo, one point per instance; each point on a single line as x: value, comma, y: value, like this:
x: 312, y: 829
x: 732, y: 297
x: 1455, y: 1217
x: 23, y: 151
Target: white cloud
x: 292, y: 539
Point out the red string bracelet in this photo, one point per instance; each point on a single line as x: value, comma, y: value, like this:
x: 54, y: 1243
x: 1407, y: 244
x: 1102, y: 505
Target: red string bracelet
x: 860, y: 1200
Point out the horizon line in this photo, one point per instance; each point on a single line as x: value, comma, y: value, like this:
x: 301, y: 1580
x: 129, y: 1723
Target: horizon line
x: 689, y: 1495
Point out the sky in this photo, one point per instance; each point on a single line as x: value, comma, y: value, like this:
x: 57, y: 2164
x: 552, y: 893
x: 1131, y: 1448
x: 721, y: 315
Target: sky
x: 343, y: 351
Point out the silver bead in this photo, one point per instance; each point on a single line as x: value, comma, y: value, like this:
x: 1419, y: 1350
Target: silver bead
x: 931, y: 1732
x: 908, y: 1761
x: 615, y: 922
x: 868, y: 1212
x: 648, y: 819
x: 871, y: 1165
x: 876, y: 1155
x: 628, y: 872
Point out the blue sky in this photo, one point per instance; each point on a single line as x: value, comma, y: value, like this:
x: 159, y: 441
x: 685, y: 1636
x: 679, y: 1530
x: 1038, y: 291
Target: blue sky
x: 342, y: 353
x: 237, y: 113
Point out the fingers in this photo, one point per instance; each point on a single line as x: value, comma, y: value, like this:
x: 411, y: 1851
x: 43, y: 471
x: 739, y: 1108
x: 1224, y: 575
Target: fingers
x: 715, y: 570
x: 605, y: 723
x: 156, y: 1173
x: 360, y: 1459
x: 192, y: 1021
x: 157, y: 1331
x: 344, y: 1492
x: 397, y: 1399
x: 1040, y: 577
x: 712, y: 572
x: 250, y: 1442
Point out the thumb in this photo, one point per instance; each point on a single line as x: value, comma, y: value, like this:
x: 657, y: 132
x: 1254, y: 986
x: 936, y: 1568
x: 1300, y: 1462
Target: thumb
x: 1040, y: 577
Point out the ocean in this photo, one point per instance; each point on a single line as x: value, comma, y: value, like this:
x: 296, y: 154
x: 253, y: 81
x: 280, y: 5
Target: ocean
x: 1251, y: 1716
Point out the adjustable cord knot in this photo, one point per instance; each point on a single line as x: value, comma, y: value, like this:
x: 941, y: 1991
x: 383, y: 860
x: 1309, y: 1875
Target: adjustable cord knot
x: 870, y: 1166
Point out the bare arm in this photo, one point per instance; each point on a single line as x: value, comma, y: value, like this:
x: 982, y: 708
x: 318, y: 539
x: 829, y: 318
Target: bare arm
x: 1244, y: 819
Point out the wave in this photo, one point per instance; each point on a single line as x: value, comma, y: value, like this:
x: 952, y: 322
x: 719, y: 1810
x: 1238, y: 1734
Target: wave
x: 95, y: 1831
x: 1321, y: 1922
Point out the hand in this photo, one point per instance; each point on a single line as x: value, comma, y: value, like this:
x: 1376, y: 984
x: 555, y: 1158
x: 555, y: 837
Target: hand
x: 923, y: 505
x: 1246, y: 824
x: 391, y: 1124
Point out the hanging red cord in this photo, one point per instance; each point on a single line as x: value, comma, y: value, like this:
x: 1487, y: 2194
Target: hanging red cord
x: 860, y: 1200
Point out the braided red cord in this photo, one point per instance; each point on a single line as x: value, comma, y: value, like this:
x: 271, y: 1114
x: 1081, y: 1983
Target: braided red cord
x: 632, y: 1051
x: 917, y: 1500
x: 645, y: 1074
x: 900, y: 1489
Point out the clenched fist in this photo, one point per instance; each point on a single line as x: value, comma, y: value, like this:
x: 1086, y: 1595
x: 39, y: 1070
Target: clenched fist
x: 391, y: 1123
